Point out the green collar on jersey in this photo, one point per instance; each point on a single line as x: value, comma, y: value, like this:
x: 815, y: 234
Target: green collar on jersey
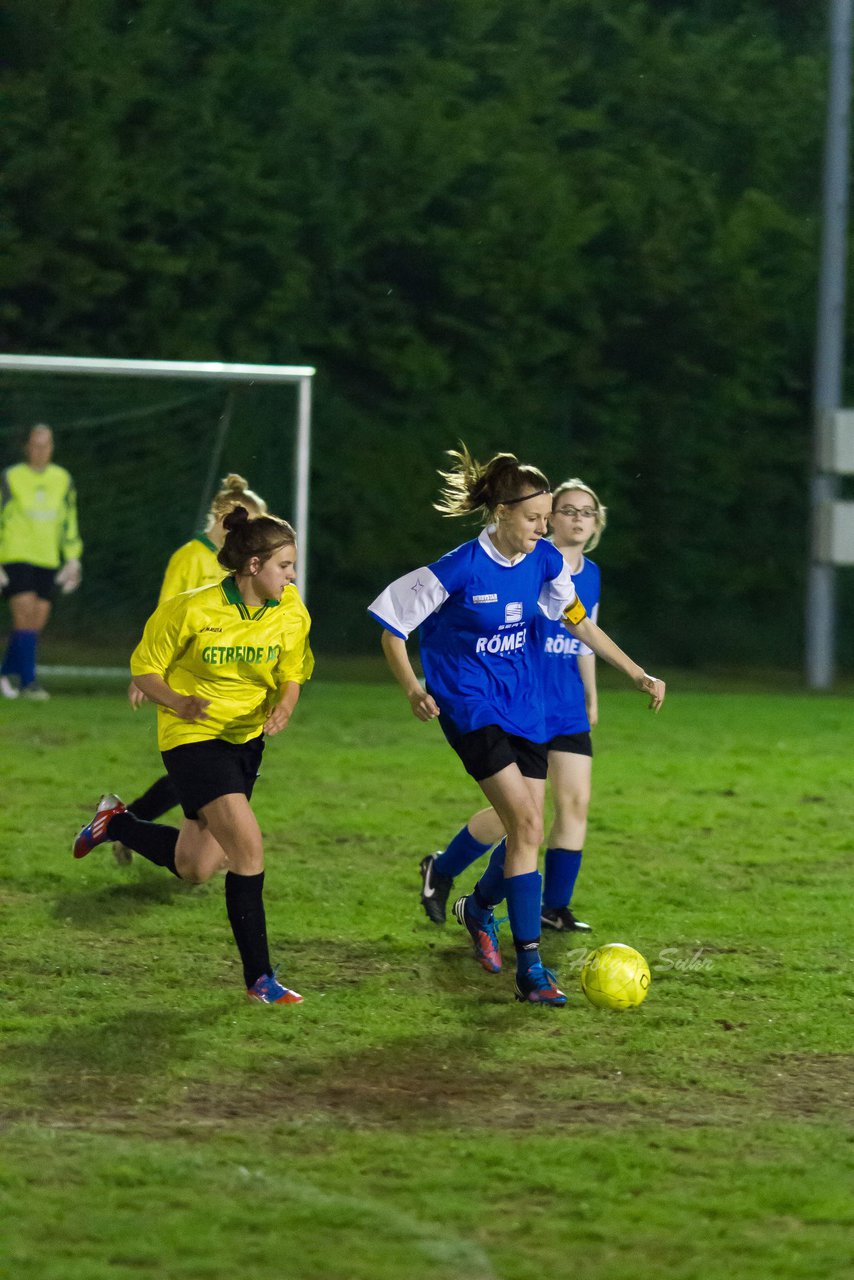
x: 205, y: 541
x: 231, y: 591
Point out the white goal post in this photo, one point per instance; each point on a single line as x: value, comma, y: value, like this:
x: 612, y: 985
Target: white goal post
x: 205, y: 371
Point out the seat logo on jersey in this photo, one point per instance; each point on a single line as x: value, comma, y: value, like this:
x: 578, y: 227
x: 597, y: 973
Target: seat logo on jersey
x: 514, y: 611
x: 489, y: 598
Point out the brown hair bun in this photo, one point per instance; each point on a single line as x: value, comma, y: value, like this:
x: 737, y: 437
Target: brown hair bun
x: 235, y: 518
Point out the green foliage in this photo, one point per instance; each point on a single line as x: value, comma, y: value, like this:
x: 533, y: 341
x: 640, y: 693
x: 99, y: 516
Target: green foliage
x: 410, y: 1121
x: 585, y: 231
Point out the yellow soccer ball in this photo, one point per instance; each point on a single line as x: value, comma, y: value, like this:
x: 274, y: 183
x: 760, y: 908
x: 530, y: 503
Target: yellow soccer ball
x: 615, y: 977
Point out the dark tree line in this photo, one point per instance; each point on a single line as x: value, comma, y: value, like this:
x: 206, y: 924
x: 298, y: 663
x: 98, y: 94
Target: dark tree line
x: 584, y: 230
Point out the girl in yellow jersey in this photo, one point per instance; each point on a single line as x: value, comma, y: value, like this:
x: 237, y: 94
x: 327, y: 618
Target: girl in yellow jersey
x: 225, y: 665
x: 194, y: 564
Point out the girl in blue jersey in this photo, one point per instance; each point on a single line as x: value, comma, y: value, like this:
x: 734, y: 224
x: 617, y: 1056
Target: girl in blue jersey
x: 474, y: 608
x: 568, y: 672
x: 568, y: 686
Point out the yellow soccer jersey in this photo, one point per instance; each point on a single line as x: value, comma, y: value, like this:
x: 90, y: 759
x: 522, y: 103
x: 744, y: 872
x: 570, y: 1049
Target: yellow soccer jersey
x: 38, y: 516
x: 192, y: 565
x: 209, y: 643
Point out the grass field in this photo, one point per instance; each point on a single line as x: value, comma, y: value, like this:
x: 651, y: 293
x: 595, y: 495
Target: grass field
x: 411, y: 1121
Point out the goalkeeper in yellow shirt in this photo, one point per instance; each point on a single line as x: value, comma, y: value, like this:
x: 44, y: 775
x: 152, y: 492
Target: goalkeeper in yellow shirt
x: 225, y: 664
x: 40, y: 550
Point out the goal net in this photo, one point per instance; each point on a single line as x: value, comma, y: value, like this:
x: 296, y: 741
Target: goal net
x: 147, y: 443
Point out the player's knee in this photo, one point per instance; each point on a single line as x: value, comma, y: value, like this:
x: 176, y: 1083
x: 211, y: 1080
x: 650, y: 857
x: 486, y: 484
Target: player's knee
x: 486, y: 826
x: 192, y: 873
x: 529, y: 828
x: 196, y: 866
x: 572, y: 806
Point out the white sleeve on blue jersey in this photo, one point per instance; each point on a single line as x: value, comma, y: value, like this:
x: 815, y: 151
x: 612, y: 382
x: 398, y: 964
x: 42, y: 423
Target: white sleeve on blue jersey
x: 583, y: 650
x: 405, y: 604
x: 557, y: 593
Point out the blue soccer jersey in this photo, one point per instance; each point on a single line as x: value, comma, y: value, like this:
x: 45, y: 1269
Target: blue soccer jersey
x: 557, y: 653
x: 475, y: 608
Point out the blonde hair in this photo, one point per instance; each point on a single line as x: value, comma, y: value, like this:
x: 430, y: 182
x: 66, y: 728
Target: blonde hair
x: 601, y: 511
x: 234, y: 492
x: 482, y: 486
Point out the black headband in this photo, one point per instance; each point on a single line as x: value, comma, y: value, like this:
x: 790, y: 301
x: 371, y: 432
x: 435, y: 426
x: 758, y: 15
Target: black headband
x: 508, y: 502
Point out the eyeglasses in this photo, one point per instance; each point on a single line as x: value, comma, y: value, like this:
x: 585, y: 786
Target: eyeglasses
x: 587, y: 512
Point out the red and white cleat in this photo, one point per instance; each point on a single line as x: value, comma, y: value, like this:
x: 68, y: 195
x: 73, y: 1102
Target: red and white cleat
x: 95, y: 832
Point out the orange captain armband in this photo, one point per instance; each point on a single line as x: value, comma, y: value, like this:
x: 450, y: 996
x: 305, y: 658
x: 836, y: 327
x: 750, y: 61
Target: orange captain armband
x: 574, y: 613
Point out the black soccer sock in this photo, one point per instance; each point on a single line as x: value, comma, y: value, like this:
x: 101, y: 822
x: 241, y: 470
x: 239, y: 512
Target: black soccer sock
x: 160, y: 797
x: 154, y: 841
x: 244, y: 902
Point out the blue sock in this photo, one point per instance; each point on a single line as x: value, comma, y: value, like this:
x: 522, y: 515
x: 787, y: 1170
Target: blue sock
x: 11, y: 665
x: 562, y: 867
x: 27, y: 641
x: 524, y: 895
x: 489, y: 890
x: 527, y: 957
x: 460, y: 853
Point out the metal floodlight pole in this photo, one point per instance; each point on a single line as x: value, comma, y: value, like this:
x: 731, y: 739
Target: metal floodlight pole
x: 828, y: 374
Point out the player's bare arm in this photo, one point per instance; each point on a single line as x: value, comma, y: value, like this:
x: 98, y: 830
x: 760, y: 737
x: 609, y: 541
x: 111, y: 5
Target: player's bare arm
x: 135, y: 696
x: 605, y: 648
x: 279, y: 717
x: 587, y: 671
x: 185, y: 706
x: 422, y: 704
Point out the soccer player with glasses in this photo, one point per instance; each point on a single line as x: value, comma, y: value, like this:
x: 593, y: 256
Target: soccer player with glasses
x: 474, y: 609
x: 567, y: 674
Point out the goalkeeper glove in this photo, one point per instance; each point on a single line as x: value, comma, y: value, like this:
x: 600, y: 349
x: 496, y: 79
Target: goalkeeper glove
x: 69, y: 577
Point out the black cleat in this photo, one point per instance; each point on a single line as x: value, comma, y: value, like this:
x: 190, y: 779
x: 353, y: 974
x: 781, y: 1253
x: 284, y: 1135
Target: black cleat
x: 561, y: 918
x: 434, y: 889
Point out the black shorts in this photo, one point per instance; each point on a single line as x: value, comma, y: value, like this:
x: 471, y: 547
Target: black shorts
x: 29, y: 577
x: 204, y: 771
x: 575, y: 744
x: 485, y: 752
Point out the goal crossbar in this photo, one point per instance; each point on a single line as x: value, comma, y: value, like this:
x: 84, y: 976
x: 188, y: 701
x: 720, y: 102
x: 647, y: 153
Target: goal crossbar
x: 206, y: 371
x: 202, y: 370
